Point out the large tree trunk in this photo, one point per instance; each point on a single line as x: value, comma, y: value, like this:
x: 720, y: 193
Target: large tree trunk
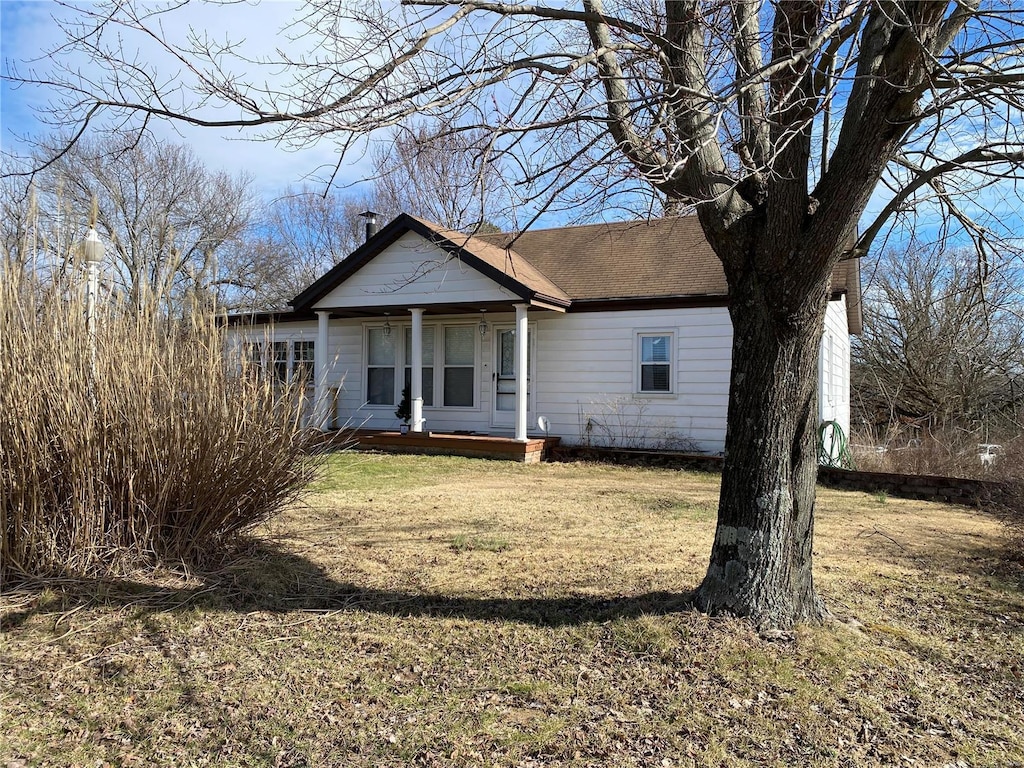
x: 761, y: 560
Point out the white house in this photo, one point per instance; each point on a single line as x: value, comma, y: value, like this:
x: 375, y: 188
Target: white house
x: 623, y: 327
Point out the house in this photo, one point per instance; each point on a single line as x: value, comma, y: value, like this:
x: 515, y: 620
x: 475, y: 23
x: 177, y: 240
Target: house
x: 623, y: 327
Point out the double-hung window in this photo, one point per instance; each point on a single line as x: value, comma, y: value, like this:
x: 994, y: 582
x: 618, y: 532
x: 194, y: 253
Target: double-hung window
x: 280, y: 360
x: 459, y: 365
x: 448, y: 370
x: 654, y: 375
x: 380, y: 367
x: 303, y: 358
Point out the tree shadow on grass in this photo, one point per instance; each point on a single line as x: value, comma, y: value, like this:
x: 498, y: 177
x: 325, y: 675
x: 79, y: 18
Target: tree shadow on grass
x: 266, y: 577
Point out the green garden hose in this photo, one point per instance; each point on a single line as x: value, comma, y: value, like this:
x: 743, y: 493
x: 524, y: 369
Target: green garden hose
x: 837, y: 451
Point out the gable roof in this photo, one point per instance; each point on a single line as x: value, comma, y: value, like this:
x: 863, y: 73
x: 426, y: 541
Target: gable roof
x: 664, y: 261
x: 507, y: 268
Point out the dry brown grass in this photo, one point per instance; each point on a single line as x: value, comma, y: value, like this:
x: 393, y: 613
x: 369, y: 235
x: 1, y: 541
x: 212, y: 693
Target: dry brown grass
x: 135, y: 443
x: 431, y: 611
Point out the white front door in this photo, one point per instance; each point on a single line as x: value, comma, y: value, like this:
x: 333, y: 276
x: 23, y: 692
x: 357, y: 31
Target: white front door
x: 503, y: 410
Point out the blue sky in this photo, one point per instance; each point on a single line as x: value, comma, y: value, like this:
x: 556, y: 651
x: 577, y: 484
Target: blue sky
x: 27, y: 29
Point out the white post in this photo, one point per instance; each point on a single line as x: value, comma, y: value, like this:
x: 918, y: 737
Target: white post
x: 92, y: 249
x: 416, y: 379
x: 521, y: 362
x: 91, y: 289
x: 321, y: 395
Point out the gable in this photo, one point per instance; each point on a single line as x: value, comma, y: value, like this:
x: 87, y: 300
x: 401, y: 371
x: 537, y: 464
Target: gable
x: 411, y: 271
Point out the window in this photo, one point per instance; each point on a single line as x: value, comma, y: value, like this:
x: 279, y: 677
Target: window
x: 428, y: 363
x: 303, y: 359
x: 255, y: 356
x: 280, y: 360
x: 284, y: 361
x: 655, y: 353
x: 380, y: 367
x: 459, y: 365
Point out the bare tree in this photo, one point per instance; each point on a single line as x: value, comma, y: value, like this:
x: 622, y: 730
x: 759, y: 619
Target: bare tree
x: 421, y: 170
x: 301, y: 235
x: 164, y: 216
x: 777, y: 120
x: 942, y: 347
x: 441, y: 175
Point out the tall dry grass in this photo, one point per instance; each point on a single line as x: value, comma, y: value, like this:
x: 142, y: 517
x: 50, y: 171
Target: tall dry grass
x: 145, y: 443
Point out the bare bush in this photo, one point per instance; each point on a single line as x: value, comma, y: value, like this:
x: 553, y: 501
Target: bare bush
x: 945, y: 454
x: 140, y: 442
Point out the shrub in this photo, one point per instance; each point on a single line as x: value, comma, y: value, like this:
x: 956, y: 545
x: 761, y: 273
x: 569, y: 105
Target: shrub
x: 144, y: 443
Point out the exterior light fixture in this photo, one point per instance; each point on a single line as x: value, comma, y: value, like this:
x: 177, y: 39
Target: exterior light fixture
x: 387, y: 325
x: 482, y: 327
x: 92, y: 247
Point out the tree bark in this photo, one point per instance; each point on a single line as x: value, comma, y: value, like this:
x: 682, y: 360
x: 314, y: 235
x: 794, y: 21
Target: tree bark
x: 761, y: 560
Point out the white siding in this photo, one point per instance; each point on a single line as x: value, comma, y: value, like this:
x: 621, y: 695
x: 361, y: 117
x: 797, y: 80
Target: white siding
x: 289, y: 332
x: 585, y: 381
x: 413, y: 272
x: 587, y: 378
x: 349, y: 374
x: 834, y: 367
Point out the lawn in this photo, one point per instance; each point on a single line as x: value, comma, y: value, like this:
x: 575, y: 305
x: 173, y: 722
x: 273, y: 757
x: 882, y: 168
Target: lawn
x: 441, y: 611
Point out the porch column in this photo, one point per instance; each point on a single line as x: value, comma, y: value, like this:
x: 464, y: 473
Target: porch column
x: 416, y: 382
x: 522, y: 345
x: 321, y: 395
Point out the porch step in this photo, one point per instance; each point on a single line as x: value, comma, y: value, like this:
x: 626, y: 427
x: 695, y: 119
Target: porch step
x: 478, y: 446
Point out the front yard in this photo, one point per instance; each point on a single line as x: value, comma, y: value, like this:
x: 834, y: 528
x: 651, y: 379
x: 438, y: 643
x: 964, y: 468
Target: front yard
x: 442, y: 611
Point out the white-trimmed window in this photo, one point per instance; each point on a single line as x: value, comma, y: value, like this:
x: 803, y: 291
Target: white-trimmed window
x: 380, y: 366
x: 428, y: 363
x: 279, y: 350
x: 655, y: 362
x: 459, y: 383
x: 303, y: 361
x: 449, y: 365
x: 283, y: 360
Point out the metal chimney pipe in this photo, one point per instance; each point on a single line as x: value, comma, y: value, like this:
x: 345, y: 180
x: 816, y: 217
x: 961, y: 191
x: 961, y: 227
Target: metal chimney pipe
x: 371, y: 223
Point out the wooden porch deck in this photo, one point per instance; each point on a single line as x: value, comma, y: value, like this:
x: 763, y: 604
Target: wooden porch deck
x: 476, y: 445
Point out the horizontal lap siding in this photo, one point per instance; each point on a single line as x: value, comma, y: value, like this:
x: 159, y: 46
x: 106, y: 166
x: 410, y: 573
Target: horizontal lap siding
x: 834, y: 383
x: 412, y: 273
x: 586, y: 369
x: 347, y: 341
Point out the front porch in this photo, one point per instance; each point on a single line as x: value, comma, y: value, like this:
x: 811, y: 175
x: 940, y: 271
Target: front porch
x: 530, y: 451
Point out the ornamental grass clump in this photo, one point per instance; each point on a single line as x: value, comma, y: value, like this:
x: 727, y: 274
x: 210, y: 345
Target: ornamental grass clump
x: 140, y: 443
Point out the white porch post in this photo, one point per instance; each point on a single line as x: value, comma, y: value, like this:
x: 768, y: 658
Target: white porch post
x: 522, y: 345
x: 416, y: 382
x: 321, y: 395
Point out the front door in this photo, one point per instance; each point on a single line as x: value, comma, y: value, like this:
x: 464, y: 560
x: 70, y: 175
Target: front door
x: 503, y: 411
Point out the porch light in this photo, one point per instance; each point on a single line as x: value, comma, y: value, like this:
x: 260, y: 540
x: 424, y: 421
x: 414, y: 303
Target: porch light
x: 387, y: 326
x: 482, y: 327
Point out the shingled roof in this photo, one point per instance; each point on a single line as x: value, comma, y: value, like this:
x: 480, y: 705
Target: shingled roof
x: 632, y: 259
x: 623, y: 260
x: 584, y: 267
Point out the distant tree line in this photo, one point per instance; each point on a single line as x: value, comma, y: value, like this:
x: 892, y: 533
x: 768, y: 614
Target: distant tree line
x: 942, y: 352
x: 176, y: 231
